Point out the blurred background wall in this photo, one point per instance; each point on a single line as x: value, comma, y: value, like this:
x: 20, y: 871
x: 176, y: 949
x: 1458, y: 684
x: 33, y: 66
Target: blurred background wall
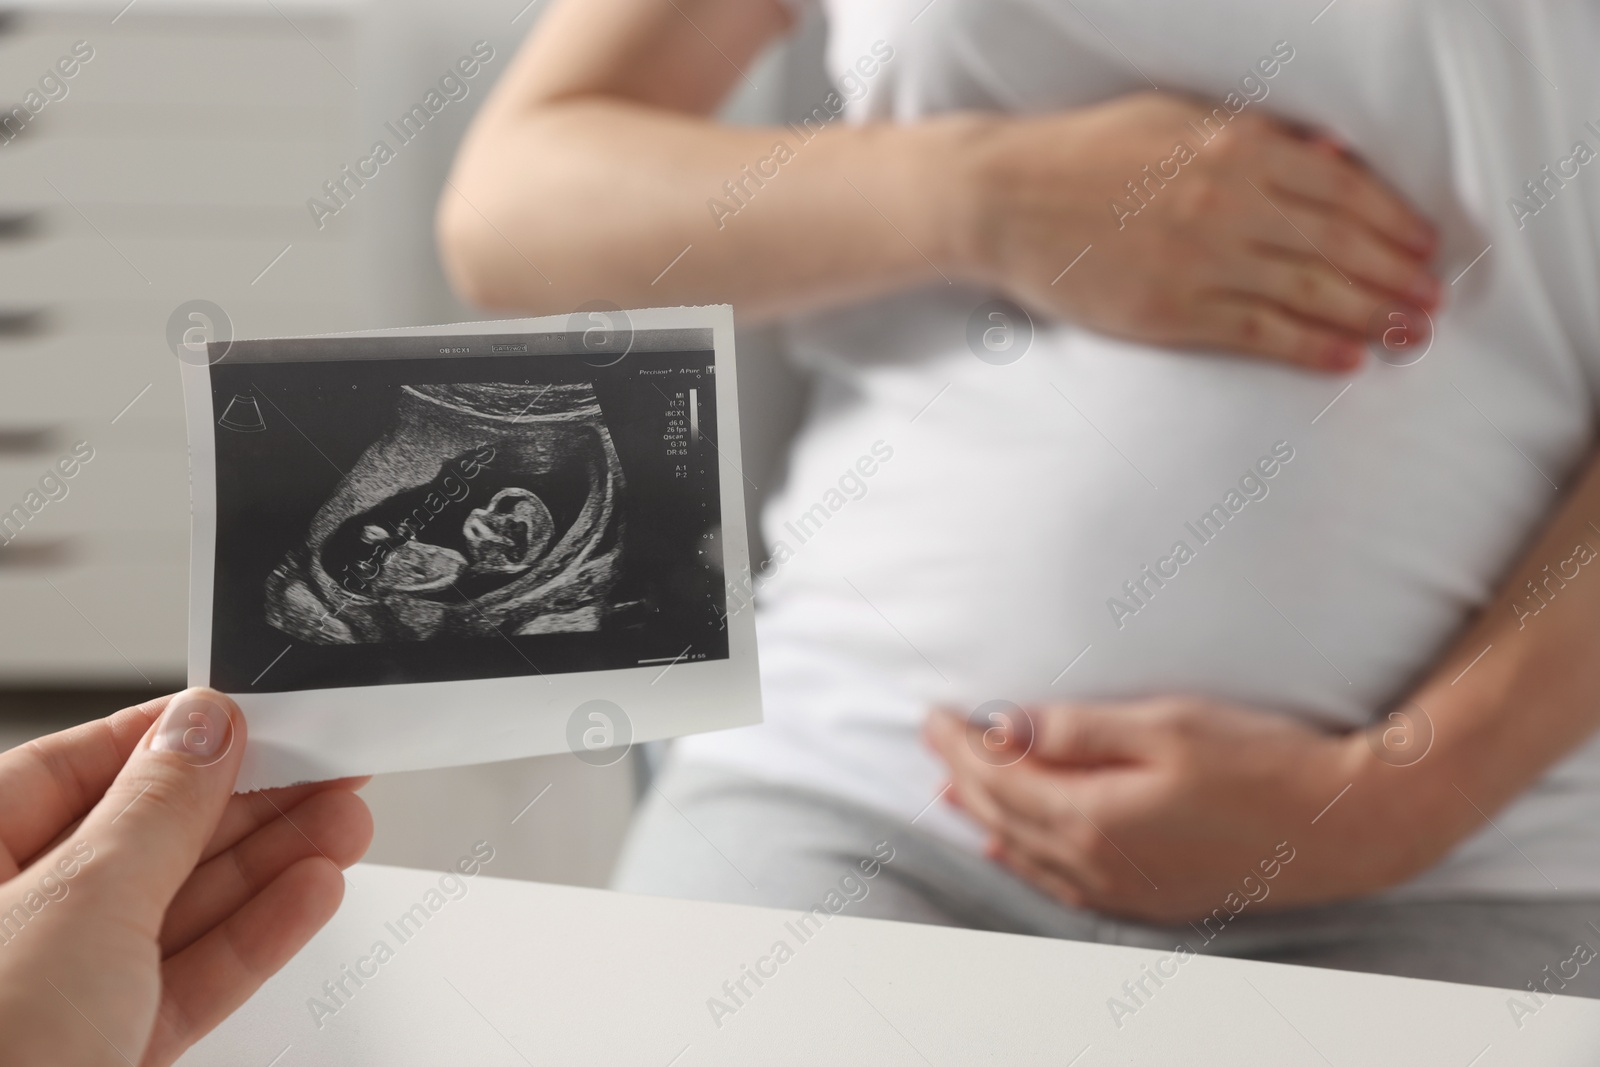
x: 175, y: 165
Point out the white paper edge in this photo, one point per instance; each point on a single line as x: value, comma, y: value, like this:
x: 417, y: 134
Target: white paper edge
x: 314, y: 735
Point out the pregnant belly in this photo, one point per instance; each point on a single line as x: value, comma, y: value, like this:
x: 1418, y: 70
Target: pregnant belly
x: 1103, y: 520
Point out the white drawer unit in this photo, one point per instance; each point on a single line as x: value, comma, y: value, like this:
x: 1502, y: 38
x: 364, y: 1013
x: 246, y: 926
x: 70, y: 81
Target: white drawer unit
x: 173, y: 164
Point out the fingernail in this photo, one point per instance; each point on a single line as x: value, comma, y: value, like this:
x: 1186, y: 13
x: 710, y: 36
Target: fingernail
x: 1328, y: 141
x: 1425, y: 290
x: 197, y: 727
x: 1342, y: 355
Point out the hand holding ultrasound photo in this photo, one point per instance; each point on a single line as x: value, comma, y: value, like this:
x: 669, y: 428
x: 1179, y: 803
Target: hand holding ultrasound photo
x: 446, y: 545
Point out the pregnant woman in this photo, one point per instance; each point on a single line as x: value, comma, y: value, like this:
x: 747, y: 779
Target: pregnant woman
x: 1112, y: 632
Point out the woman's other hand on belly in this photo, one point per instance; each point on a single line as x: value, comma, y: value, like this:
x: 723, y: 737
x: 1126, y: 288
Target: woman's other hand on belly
x: 1259, y: 240
x: 1168, y: 810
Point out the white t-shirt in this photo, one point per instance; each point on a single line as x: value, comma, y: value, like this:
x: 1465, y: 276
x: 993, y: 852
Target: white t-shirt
x: 985, y: 558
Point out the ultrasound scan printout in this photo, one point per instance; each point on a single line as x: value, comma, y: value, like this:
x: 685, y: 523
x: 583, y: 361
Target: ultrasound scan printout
x: 447, y: 545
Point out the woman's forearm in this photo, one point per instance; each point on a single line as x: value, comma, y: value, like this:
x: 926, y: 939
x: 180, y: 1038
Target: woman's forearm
x: 596, y: 172
x: 602, y: 199
x: 1519, y: 690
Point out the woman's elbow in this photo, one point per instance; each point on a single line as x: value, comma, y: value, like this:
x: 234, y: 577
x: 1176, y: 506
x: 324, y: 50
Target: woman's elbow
x: 466, y: 251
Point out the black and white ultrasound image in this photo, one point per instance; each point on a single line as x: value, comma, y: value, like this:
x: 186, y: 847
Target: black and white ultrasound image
x: 435, y: 517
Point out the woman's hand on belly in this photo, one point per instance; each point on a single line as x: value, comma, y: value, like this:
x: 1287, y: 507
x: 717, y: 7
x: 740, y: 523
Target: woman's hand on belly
x: 1260, y: 240
x: 1166, y: 810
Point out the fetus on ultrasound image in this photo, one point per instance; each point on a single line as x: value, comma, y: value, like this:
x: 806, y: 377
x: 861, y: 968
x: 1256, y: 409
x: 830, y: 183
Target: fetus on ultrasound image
x: 417, y: 519
x: 486, y: 509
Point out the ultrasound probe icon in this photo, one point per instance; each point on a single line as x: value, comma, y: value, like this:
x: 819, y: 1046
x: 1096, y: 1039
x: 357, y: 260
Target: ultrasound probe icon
x: 243, y: 415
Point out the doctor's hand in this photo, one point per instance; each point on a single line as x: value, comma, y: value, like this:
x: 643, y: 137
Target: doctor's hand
x: 140, y: 902
x: 1263, y: 240
x: 1160, y: 810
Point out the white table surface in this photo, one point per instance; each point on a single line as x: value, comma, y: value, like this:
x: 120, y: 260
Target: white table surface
x: 518, y: 973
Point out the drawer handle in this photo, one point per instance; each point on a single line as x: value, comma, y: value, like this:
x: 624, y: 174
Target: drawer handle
x: 26, y: 440
x: 20, y: 225
x: 26, y: 323
x: 51, y: 552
